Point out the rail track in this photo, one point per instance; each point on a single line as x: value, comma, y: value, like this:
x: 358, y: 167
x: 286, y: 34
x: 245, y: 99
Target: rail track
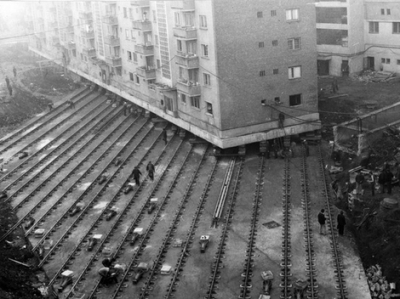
x: 286, y: 262
x: 218, y: 263
x: 65, y: 177
x: 247, y: 272
x: 312, y: 290
x: 341, y: 288
x: 123, y: 218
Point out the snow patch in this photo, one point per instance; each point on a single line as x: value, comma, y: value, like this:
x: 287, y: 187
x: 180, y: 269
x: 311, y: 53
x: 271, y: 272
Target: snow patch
x: 43, y: 143
x: 84, y: 186
x: 198, y: 150
x: 101, y: 205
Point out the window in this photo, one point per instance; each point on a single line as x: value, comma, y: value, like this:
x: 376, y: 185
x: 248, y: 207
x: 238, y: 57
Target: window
x: 195, y: 102
x: 382, y: 11
x: 261, y: 44
x: 177, y: 19
x: 259, y: 14
x: 131, y: 76
x: 262, y: 73
x: 207, y: 79
x: 294, y: 43
x: 396, y: 27
x: 398, y: 61
x: 134, y: 56
x: 274, y: 43
x: 387, y: 60
x: 292, y: 14
x: 204, y: 50
x: 129, y: 55
x: 203, y: 21
x: 127, y: 33
x: 209, y: 108
x: 169, y: 103
x: 179, y: 45
x: 125, y: 13
x: 275, y: 71
x: 295, y: 100
x: 118, y: 71
x: 388, y: 11
x: 183, y: 98
x: 137, y: 79
x: 273, y: 13
x: 373, y: 27
x: 294, y: 72
x: 277, y: 100
x: 383, y: 60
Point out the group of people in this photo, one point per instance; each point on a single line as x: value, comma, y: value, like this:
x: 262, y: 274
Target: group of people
x: 280, y: 151
x: 341, y: 222
x: 8, y: 82
x: 109, y: 272
x: 136, y: 173
x: 385, y: 180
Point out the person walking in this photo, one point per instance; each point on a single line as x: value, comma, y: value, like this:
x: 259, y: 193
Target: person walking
x: 359, y: 182
x: 71, y: 104
x: 388, y: 180
x: 321, y: 221
x: 341, y: 222
x: 165, y: 136
x: 150, y: 169
x: 136, y: 175
x: 15, y: 72
x: 8, y: 82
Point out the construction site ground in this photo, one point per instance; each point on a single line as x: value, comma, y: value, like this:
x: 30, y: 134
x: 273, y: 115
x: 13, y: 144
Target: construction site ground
x: 197, y: 269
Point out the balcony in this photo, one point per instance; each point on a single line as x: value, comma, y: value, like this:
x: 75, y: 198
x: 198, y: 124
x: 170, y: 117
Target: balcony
x: 190, y: 61
x: 146, y: 50
x: 112, y: 40
x: 143, y: 25
x: 114, y: 61
x: 190, y: 88
x: 146, y: 72
x: 140, y: 3
x: 90, y: 52
x: 185, y: 32
x: 110, y: 20
x: 71, y: 45
x: 184, y: 5
x: 86, y: 16
x: 88, y: 34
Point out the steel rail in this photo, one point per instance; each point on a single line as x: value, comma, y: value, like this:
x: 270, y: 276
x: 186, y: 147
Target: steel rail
x: 217, y: 264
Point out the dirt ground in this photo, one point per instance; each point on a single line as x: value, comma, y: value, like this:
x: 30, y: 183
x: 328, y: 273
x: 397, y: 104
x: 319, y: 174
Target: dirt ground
x: 378, y: 238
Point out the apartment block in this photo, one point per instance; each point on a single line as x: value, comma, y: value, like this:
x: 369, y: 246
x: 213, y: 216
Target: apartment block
x: 232, y: 72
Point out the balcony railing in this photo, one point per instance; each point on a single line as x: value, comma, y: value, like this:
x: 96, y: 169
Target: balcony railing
x: 110, y: 19
x: 188, y: 87
x: 143, y: 25
x: 185, y: 32
x: 146, y: 72
x: 112, y: 40
x: 114, y: 61
x: 88, y: 34
x: 90, y: 52
x: 86, y: 15
x: 187, y: 60
x: 145, y: 49
x: 142, y: 3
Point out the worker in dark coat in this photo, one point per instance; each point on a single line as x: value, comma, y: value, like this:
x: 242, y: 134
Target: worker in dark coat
x: 136, y: 173
x: 359, y: 182
x: 306, y: 148
x: 165, y: 136
x: 341, y: 222
x: 150, y: 169
x: 321, y: 221
x: 388, y: 180
x: 8, y: 82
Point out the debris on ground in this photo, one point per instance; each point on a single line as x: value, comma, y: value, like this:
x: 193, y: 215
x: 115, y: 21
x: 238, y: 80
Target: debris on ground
x: 374, y: 76
x: 378, y: 285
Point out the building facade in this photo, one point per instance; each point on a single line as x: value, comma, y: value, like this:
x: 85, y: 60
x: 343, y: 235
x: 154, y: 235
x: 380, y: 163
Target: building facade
x: 232, y: 72
x: 354, y: 35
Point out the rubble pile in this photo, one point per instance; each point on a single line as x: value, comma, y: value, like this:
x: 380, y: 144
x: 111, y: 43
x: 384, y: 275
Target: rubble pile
x: 378, y: 285
x: 374, y: 76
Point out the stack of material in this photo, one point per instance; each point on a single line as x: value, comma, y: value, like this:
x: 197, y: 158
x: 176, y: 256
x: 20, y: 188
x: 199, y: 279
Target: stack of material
x: 374, y: 76
x: 378, y: 284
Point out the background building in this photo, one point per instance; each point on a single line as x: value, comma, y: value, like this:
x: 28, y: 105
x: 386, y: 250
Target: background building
x: 229, y: 71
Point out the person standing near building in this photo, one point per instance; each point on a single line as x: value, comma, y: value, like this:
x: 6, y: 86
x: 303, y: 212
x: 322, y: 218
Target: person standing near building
x: 388, y: 180
x: 136, y: 173
x: 306, y: 148
x: 321, y: 221
x: 359, y: 182
x: 150, y: 169
x: 8, y: 82
x: 341, y: 222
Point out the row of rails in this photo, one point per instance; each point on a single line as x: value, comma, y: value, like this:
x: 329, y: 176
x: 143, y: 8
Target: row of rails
x: 93, y: 224
x: 134, y: 259
x: 188, y: 242
x: 89, y: 199
x: 39, y: 123
x: 247, y: 274
x: 167, y: 241
x: 312, y: 290
x: 217, y: 263
x: 341, y: 288
x: 71, y: 154
x: 286, y: 262
x: 122, y: 217
x: 39, y: 157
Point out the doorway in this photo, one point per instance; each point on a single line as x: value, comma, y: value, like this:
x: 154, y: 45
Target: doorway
x: 323, y: 67
x: 370, y: 63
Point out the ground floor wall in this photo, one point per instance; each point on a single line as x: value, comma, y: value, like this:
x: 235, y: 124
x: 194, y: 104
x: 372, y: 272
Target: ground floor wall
x: 269, y: 130
x: 339, y: 65
x: 382, y: 59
